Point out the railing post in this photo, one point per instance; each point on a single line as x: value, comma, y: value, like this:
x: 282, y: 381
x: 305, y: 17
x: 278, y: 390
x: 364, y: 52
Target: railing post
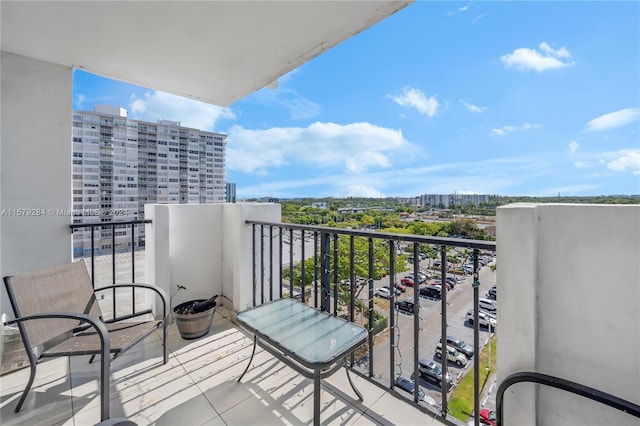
x: 325, y: 277
x: 302, y: 269
x: 371, y: 307
x: 416, y: 317
x: 335, y: 275
x: 443, y: 327
x: 270, y: 262
x: 315, y: 269
x: 476, y: 341
x: 392, y: 317
x: 291, y: 262
x: 280, y: 230
x: 253, y: 263
x: 261, y: 264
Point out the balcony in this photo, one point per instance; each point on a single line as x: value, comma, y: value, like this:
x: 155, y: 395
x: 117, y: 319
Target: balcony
x: 198, y: 386
x: 236, y: 250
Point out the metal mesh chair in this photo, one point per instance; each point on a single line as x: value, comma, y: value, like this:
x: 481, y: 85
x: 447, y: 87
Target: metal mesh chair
x: 56, y: 309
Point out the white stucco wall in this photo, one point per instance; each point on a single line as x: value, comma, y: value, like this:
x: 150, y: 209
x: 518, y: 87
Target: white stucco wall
x: 35, y: 165
x: 568, y: 280
x: 206, y: 247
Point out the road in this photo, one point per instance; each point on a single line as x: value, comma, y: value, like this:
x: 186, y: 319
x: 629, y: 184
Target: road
x: 459, y: 299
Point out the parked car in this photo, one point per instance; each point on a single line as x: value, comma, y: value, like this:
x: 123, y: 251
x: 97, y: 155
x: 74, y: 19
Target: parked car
x: 432, y: 371
x: 493, y: 293
x: 407, y: 386
x: 488, y: 417
x: 407, y: 281
x: 406, y: 305
x: 461, y: 346
x: 451, y: 281
x: 383, y: 292
x: 484, y: 319
x: 487, y: 305
x: 430, y: 292
x: 401, y: 287
x: 453, y: 355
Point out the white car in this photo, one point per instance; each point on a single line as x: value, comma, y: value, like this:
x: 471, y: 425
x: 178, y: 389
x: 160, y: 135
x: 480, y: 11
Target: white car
x: 484, y: 319
x: 487, y: 305
x: 383, y: 292
x: 453, y: 355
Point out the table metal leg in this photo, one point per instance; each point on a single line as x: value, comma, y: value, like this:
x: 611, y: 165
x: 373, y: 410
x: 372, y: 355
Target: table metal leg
x: 255, y: 341
x: 346, y: 367
x: 316, y: 398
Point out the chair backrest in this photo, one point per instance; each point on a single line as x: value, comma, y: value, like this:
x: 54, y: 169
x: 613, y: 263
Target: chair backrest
x: 65, y: 288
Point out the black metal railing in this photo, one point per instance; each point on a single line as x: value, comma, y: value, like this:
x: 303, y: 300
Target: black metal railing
x: 565, y: 385
x: 322, y: 288
x: 132, y: 224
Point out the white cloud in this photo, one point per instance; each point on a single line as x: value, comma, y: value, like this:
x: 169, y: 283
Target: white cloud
x: 509, y: 129
x: 531, y: 59
x: 415, y: 98
x: 355, y: 147
x: 158, y: 105
x: 80, y: 98
x: 298, y: 106
x: 626, y: 159
x: 472, y: 107
x: 614, y: 119
x: 573, y: 146
x: 362, y: 191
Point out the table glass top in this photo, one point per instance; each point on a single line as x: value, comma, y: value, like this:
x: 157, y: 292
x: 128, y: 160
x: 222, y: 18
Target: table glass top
x: 312, y: 335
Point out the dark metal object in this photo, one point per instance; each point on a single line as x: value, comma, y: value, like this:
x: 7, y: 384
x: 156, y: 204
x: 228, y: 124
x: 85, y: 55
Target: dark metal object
x: 565, y: 385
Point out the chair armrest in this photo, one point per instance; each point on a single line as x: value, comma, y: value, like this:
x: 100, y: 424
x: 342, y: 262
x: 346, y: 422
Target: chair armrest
x: 154, y: 288
x: 94, y: 322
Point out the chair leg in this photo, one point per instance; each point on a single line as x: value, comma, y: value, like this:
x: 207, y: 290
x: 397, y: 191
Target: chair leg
x: 32, y: 376
x: 164, y: 341
x: 92, y: 358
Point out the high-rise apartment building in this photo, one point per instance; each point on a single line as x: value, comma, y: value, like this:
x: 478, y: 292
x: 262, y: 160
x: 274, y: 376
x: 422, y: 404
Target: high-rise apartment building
x: 231, y: 192
x: 120, y: 164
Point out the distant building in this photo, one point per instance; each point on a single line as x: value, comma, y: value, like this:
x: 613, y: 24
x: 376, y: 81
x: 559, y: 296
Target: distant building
x: 231, y: 192
x: 120, y: 164
x: 449, y: 200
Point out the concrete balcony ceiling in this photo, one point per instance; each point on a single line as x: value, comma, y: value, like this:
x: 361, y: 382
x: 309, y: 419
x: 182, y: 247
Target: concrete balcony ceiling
x: 213, y: 51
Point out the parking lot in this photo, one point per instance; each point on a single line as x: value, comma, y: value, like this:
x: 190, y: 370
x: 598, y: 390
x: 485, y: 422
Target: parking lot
x: 459, y: 301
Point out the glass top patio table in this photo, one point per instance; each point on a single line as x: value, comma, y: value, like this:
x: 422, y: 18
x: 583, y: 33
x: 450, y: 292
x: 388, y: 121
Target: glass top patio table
x: 316, y: 339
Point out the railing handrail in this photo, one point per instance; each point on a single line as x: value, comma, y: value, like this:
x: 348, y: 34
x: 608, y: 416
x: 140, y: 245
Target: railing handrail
x: 113, y: 223
x: 566, y: 385
x: 422, y: 239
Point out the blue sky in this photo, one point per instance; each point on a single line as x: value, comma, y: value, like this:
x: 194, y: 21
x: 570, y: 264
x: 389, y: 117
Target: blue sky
x: 511, y: 98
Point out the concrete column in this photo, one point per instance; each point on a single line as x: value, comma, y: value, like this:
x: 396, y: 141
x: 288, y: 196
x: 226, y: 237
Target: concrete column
x: 35, y: 166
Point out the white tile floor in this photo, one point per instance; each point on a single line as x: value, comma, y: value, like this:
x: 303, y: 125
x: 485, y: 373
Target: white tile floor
x: 196, y: 387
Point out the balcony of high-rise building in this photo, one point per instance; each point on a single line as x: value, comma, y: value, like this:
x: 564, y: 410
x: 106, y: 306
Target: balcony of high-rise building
x: 568, y: 275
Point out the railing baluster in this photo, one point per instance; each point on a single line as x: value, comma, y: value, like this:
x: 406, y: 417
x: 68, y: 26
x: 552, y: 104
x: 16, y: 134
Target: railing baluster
x: 133, y: 268
x: 443, y: 325
x: 262, y: 264
x: 93, y: 256
x: 315, y: 269
x: 291, y: 263
x: 302, y: 269
x: 392, y: 317
x: 253, y: 262
x: 476, y: 339
x: 371, y: 307
x: 335, y: 275
x: 270, y: 262
x: 325, y: 277
x: 416, y: 317
x: 352, y: 284
x: 280, y: 230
